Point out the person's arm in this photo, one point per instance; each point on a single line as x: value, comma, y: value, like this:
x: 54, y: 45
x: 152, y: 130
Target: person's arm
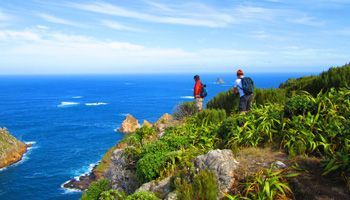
x: 234, y: 89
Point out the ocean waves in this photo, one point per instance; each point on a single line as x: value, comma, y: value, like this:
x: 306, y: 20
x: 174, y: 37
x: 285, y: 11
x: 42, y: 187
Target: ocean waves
x: 67, y: 104
x: 72, y: 103
x: 186, y: 97
x: 96, y: 104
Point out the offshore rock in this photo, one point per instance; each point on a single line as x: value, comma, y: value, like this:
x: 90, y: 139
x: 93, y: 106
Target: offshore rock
x: 129, y: 125
x: 220, y: 81
x: 11, y: 149
x: 222, y: 164
x: 122, y: 173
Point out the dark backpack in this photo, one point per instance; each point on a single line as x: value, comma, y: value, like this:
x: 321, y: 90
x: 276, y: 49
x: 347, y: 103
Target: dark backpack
x: 247, y: 85
x: 204, y: 92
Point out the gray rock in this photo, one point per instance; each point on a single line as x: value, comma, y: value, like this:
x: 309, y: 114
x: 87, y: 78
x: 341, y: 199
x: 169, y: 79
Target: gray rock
x: 120, y: 174
x: 222, y: 163
x: 161, y: 188
x: 171, y: 196
x: 280, y: 164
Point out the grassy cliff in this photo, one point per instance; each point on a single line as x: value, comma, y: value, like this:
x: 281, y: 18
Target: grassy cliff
x: 298, y: 118
x: 11, y: 149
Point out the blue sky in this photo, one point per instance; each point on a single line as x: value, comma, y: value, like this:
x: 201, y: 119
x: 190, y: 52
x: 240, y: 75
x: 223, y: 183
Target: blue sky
x: 154, y: 36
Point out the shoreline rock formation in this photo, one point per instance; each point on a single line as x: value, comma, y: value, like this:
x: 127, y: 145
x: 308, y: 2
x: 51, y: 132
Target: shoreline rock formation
x: 129, y: 125
x: 11, y: 149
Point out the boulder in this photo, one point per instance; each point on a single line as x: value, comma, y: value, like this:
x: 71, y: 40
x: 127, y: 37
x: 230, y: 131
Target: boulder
x: 129, y: 125
x: 146, y: 124
x: 121, y: 173
x: 161, y: 188
x: 222, y: 164
x: 171, y: 196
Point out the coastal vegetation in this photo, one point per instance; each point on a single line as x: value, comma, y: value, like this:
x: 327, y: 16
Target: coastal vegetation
x: 307, y: 117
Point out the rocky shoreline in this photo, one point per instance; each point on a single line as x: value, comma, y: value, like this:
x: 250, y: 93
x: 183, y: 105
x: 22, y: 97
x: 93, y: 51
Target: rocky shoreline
x: 12, y: 150
x: 129, y: 125
x: 82, y: 182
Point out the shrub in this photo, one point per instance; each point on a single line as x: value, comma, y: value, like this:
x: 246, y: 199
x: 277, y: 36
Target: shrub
x: 208, y: 117
x: 225, y: 100
x: 96, y: 189
x: 184, y: 110
x: 335, y: 77
x: 149, y: 166
x: 113, y: 195
x: 269, y: 96
x: 300, y: 105
x: 142, y: 195
x: 196, y: 186
x: 266, y: 184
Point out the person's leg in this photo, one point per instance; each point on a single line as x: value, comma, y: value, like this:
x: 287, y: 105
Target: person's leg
x: 199, y: 104
x: 250, y: 99
x: 242, y: 104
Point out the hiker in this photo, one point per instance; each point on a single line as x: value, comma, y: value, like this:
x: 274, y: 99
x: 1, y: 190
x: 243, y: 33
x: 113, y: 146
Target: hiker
x: 199, y: 92
x: 245, y: 87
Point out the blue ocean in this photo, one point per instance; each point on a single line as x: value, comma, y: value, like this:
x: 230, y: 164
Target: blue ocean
x: 71, y: 121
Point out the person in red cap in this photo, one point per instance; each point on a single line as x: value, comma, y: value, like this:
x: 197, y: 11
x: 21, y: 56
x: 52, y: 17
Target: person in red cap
x: 245, y: 87
x: 197, y: 92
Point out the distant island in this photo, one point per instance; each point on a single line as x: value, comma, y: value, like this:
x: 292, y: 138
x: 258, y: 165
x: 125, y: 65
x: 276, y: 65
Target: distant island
x: 11, y: 149
x: 220, y: 81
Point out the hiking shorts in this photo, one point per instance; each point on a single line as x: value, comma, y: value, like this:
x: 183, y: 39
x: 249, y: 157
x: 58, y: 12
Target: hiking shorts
x: 199, y: 103
x: 245, y: 102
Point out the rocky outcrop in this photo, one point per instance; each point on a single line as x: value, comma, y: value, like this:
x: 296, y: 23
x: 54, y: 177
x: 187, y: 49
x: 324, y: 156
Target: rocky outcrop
x: 11, y: 149
x: 222, y: 163
x: 146, y: 124
x: 164, y: 122
x: 161, y: 188
x: 122, y: 173
x: 231, y: 169
x: 82, y: 183
x: 129, y: 125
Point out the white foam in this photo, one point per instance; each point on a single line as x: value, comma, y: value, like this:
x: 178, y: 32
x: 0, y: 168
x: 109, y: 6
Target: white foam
x: 187, y: 97
x: 68, y: 190
x: 123, y: 114
x: 85, y: 173
x: 96, y: 104
x: 77, y: 97
x: 68, y: 103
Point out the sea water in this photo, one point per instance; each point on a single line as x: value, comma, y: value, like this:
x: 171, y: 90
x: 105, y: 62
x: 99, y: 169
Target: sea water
x: 71, y: 121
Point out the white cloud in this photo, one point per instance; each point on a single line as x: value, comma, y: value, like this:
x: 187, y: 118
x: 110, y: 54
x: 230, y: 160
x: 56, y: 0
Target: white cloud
x: 18, y: 36
x: 46, y: 51
x: 307, y: 20
x: 208, y: 18
x: 118, y: 26
x: 57, y: 20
